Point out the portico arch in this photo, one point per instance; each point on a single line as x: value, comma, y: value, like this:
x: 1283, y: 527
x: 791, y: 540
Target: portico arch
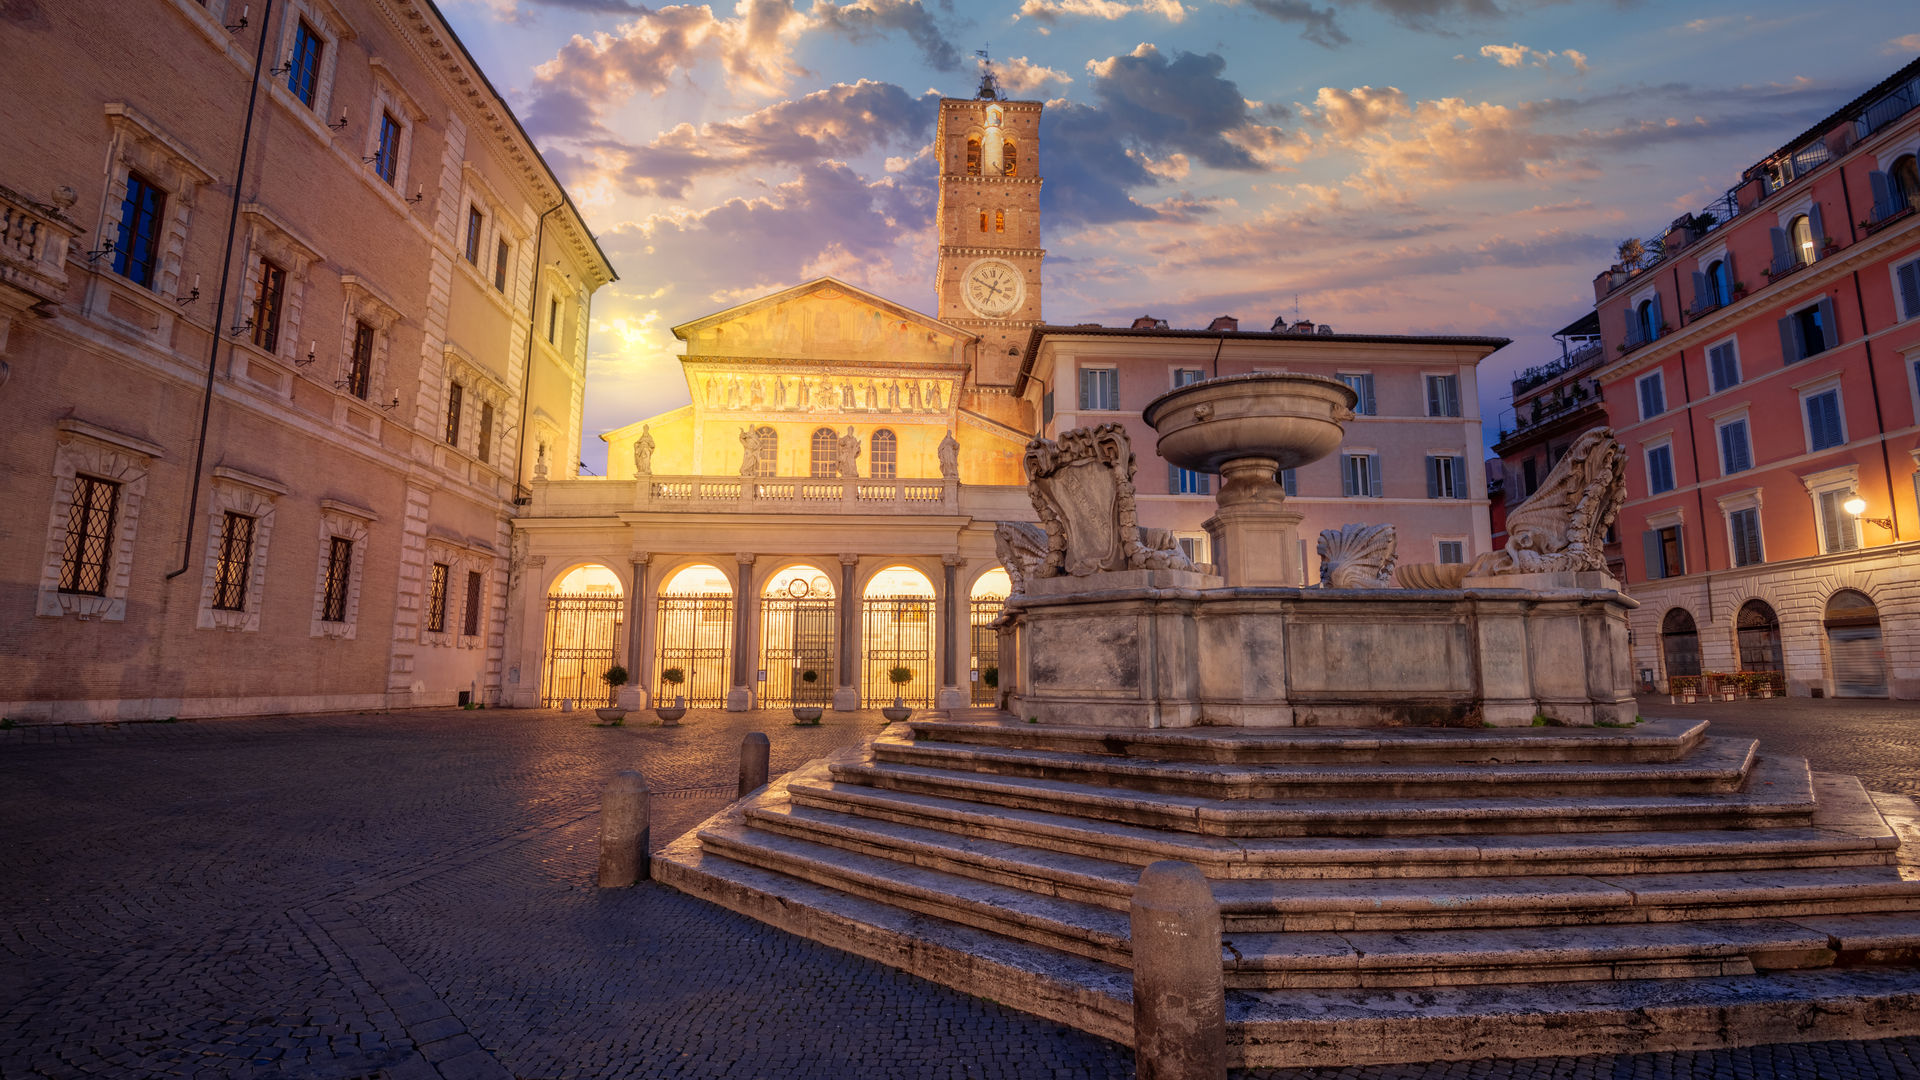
x: 897, y: 629
x: 798, y: 613
x: 984, y: 603
x: 584, y: 614
x: 694, y: 619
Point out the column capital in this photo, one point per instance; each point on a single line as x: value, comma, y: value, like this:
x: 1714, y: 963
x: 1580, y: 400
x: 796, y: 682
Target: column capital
x: 847, y: 559
x: 641, y: 558
x: 744, y: 558
x: 953, y: 560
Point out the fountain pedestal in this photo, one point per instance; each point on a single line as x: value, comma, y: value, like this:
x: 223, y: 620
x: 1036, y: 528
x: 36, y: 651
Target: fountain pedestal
x: 1256, y: 538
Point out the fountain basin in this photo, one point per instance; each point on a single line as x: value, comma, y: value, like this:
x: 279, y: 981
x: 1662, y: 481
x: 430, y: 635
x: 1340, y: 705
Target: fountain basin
x: 1285, y: 417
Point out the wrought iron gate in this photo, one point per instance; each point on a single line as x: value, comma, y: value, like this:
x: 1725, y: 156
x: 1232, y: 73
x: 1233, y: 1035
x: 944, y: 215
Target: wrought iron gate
x: 581, y: 636
x: 796, y: 635
x: 897, y: 631
x: 696, y: 636
x: 986, y: 648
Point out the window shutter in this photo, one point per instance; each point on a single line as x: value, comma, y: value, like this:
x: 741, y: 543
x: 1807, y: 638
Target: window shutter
x: 1366, y: 384
x: 1828, y: 324
x: 1909, y: 276
x: 1732, y: 277
x: 1782, y: 254
x: 1882, y: 194
x: 1433, y: 395
x: 1173, y: 478
x: 1460, y: 478
x: 1659, y: 319
x: 1289, y: 482
x: 1650, y: 543
x: 1373, y: 475
x: 1433, y: 477
x: 1700, y: 296
x: 1347, y: 477
x: 1790, y: 342
x: 1816, y: 426
x: 1679, y: 566
x: 1829, y: 520
x: 1819, y: 230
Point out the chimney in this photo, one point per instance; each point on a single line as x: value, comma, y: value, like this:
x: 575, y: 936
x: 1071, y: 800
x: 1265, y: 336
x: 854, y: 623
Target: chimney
x: 1323, y: 328
x: 1148, y: 322
x: 1224, y: 322
x: 1279, y: 325
x: 1304, y: 326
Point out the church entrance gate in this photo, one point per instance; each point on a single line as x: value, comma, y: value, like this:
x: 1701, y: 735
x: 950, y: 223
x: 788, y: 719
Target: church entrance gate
x: 695, y: 634
x: 581, y: 633
x: 796, y: 635
x: 897, y: 631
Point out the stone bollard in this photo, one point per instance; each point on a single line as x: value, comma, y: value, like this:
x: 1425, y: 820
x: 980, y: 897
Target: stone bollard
x: 1179, y: 990
x: 623, y: 830
x: 754, y: 753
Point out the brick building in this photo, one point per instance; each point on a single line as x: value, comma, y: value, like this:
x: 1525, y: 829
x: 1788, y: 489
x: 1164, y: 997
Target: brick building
x: 291, y: 311
x: 1763, y: 373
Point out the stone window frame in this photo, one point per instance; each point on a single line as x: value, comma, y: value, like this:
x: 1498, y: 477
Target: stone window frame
x: 81, y: 447
x: 1814, y: 388
x: 366, y: 305
x: 257, y: 497
x: 478, y: 386
x: 333, y: 29
x: 268, y: 236
x: 461, y: 556
x: 1737, y: 414
x: 1732, y: 503
x: 1845, y: 478
x: 1466, y: 548
x: 1459, y: 391
x: 388, y: 95
x: 1664, y: 441
x: 1658, y: 375
x: 349, y: 522
x: 136, y: 144
x: 1732, y: 341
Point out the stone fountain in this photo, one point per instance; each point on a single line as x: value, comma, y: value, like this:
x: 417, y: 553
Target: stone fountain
x: 1433, y: 825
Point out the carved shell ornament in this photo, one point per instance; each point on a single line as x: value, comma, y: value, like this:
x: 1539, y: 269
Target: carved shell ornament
x: 1357, y: 557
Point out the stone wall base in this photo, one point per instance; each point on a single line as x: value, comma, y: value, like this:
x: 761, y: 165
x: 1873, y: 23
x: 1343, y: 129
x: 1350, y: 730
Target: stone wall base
x: 115, y: 710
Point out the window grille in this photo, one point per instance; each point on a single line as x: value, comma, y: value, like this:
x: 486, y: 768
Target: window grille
x: 333, y: 605
x: 472, y: 627
x: 236, y: 560
x: 267, y: 305
x: 360, y: 373
x: 474, y: 224
x: 486, y: 432
x: 137, y: 248
x: 303, y: 67
x: 883, y: 455
x: 437, y: 599
x: 386, y: 160
x: 454, y: 395
x: 824, y: 461
x: 83, y: 562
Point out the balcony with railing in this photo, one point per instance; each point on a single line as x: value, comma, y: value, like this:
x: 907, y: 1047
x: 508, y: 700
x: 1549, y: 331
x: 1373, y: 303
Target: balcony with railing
x: 33, y: 251
x: 1583, y: 357
x: 1528, y: 418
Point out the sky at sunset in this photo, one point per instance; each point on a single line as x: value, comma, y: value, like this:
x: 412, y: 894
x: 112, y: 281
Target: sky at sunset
x: 1399, y: 166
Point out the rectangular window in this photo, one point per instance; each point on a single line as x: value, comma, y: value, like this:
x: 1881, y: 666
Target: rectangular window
x: 1723, y: 366
x: 303, y: 74
x: 1906, y: 278
x: 474, y: 224
x: 500, y: 255
x: 486, y: 432
x: 1660, y: 469
x: 1194, y: 548
x: 1452, y: 551
x: 1744, y: 528
x: 1530, y: 476
x: 1290, y: 481
x: 1362, y: 385
x: 1187, y: 376
x: 333, y: 604
x: 454, y: 395
x: 267, y: 304
x: 236, y: 562
x: 1839, y: 530
x: 1360, y: 475
x: 1446, y: 477
x: 553, y: 320
x: 1443, y: 395
x: 437, y: 598
x: 136, y: 250
x: 1824, y: 427
x: 360, y: 373
x: 1653, y: 395
x: 1187, y: 482
x: 89, y: 547
x: 472, y: 626
x: 386, y: 160
x: 1673, y: 557
x: 1736, y: 448
x: 1100, y: 389
x: 1808, y: 331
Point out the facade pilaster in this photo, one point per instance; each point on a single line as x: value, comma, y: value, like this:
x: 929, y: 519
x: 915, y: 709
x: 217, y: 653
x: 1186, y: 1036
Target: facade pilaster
x: 951, y: 694
x: 740, y: 694
x: 846, y: 686
x: 639, y: 603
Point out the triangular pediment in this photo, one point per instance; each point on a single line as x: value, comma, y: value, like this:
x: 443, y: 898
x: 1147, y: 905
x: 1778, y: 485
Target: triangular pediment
x: 824, y: 319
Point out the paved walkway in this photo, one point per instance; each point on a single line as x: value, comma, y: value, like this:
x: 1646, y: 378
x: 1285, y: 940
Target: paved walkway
x: 409, y: 896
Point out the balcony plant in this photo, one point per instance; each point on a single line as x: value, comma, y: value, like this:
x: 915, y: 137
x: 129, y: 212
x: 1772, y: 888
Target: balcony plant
x: 1739, y: 290
x: 899, y: 676
x: 670, y: 714
x: 809, y: 712
x: 615, y: 677
x: 1828, y: 246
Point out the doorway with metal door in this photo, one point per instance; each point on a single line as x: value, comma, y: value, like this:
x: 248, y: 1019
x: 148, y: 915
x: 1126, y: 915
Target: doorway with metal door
x: 695, y: 624
x: 797, y: 618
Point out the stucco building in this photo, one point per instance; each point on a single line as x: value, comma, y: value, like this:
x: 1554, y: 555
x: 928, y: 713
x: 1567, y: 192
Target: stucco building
x: 1764, y: 374
x: 291, y: 313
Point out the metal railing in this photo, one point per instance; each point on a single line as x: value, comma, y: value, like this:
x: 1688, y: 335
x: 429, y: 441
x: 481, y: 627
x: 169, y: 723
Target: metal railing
x: 1886, y: 110
x: 1583, y: 356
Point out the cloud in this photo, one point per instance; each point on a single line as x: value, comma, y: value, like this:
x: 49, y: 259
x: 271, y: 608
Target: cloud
x: 1021, y: 76
x: 1348, y: 114
x: 1180, y: 103
x: 1322, y: 27
x: 1317, y: 25
x: 1516, y: 54
x: 1050, y: 12
x: 1905, y: 43
x: 860, y: 20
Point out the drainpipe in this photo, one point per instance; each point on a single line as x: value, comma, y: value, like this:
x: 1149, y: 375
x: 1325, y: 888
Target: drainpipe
x: 1693, y: 446
x: 1879, y: 421
x: 220, y: 302
x: 526, y: 374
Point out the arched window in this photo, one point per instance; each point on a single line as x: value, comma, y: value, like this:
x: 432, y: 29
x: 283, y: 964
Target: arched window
x: 973, y: 155
x: 824, y: 461
x: 999, y: 221
x: 1010, y: 154
x: 1649, y: 321
x: 1801, y: 232
x: 883, y: 455
x: 769, y: 457
x: 1758, y: 629
x: 983, y: 219
x: 1906, y: 181
x: 1680, y: 643
x: 1720, y: 282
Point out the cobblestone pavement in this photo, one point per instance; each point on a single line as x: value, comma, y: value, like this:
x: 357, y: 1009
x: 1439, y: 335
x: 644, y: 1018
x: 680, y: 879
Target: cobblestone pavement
x: 409, y: 896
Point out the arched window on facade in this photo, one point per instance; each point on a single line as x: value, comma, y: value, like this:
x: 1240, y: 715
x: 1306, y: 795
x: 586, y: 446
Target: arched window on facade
x: 1720, y: 282
x: 999, y: 221
x: 1010, y: 156
x: 1680, y: 643
x: 1801, y: 233
x: 973, y: 156
x: 983, y: 219
x: 1649, y: 319
x: 1905, y: 175
x: 824, y: 461
x: 769, y: 457
x: 883, y: 455
x: 1758, y: 629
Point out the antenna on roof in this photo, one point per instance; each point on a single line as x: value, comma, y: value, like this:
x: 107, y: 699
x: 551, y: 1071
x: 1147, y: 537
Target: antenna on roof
x: 989, y: 89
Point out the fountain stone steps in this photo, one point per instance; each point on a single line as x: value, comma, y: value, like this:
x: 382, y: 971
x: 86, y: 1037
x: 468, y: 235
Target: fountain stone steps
x: 1714, y: 765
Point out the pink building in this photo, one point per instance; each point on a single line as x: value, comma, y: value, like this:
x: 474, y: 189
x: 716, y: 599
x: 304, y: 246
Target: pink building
x: 1763, y: 373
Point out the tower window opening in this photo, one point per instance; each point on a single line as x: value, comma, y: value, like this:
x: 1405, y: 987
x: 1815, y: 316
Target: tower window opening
x: 999, y: 221
x: 1010, y: 155
x: 973, y: 156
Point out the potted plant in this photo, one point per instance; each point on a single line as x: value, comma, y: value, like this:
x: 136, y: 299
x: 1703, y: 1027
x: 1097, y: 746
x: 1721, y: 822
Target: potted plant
x: 1739, y: 290
x: 1729, y: 687
x: 615, y: 677
x: 808, y: 713
x: 670, y: 714
x: 899, y: 677
x: 1684, y: 686
x: 1827, y: 246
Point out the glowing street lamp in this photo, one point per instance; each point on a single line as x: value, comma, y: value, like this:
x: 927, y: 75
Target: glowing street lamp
x: 1857, y: 506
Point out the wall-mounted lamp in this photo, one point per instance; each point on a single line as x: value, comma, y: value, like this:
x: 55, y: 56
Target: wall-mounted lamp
x: 311, y: 346
x: 104, y: 249
x: 418, y: 194
x: 240, y: 328
x: 390, y: 405
x: 236, y: 27
x: 340, y: 124
x: 284, y: 67
x: 1858, y: 506
x: 183, y: 301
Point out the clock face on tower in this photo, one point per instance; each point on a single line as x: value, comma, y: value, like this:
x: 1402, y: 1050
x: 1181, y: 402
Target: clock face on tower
x: 993, y: 288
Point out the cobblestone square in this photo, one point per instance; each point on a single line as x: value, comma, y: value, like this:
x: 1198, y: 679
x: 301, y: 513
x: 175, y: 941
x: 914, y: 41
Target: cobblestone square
x: 410, y: 896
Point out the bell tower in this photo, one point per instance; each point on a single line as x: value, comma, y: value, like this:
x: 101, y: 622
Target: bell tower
x: 989, y: 226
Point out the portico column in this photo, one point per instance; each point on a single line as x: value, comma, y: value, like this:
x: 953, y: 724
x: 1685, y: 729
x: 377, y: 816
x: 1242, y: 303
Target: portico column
x: 740, y: 695
x: 951, y: 695
x: 634, y: 694
x: 846, y: 688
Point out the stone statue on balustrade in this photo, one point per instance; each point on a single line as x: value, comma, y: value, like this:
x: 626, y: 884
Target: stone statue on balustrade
x: 849, y: 455
x: 949, y: 457
x: 1082, y: 488
x: 643, y: 452
x: 749, y: 452
x: 1357, y: 557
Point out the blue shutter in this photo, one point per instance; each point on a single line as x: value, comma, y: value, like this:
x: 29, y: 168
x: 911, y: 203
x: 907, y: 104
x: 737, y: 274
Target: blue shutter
x: 1650, y: 543
x: 1819, y: 230
x: 1366, y: 383
x: 1173, y: 478
x: 1679, y: 552
x: 1289, y: 482
x: 1782, y: 254
x: 1347, y: 476
x: 1433, y: 477
x: 1732, y: 277
x: 1882, y: 195
x: 1659, y: 320
x: 1373, y: 475
x: 1828, y: 324
x: 1460, y: 478
x: 1790, y: 350
x: 1701, y: 298
x: 1909, y: 275
x: 1433, y: 396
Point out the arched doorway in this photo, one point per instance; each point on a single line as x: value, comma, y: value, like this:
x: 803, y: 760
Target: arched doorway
x: 1854, y: 648
x: 1680, y: 643
x: 796, y: 636
x: 989, y: 596
x: 1758, y: 629
x: 896, y: 630
x: 695, y: 613
x: 583, y: 630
